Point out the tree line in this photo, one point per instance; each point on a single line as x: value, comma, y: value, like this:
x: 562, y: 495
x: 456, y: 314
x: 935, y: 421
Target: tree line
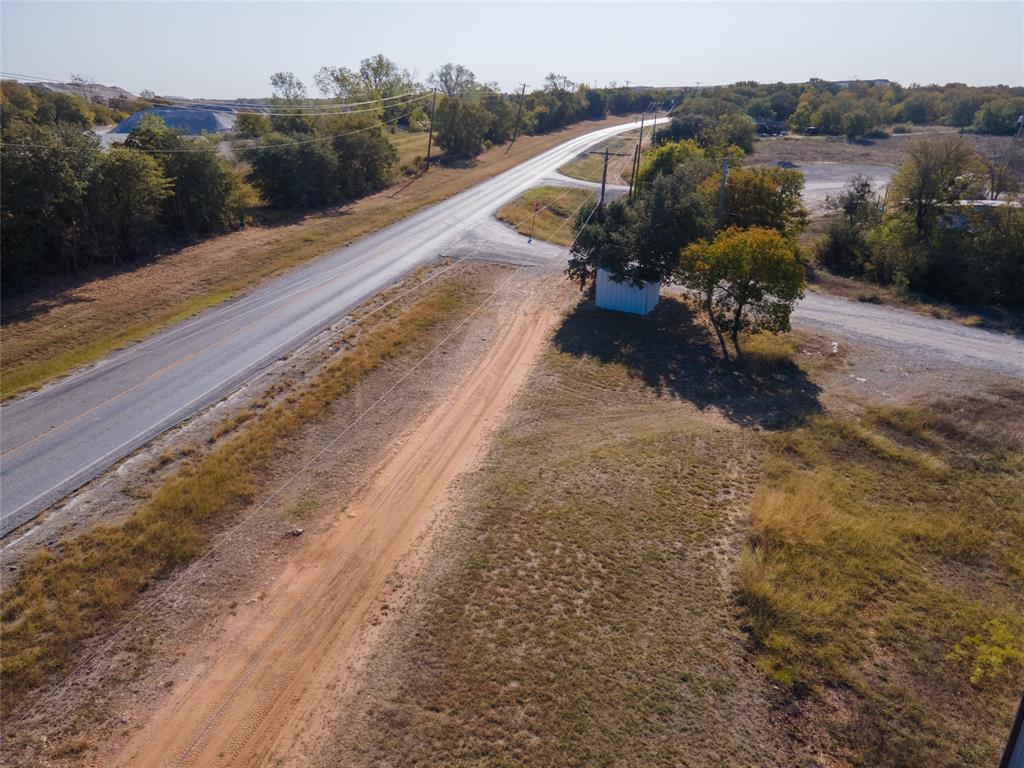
x: 71, y: 205
x: 853, y: 109
x: 944, y: 227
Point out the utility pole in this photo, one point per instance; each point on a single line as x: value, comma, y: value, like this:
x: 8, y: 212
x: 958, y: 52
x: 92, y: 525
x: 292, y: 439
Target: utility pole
x: 632, y: 176
x: 721, y: 193
x: 604, y: 175
x: 430, y: 136
x: 636, y: 160
x: 519, y: 112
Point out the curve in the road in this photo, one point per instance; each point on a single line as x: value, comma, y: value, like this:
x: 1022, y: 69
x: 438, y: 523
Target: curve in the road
x: 55, y: 440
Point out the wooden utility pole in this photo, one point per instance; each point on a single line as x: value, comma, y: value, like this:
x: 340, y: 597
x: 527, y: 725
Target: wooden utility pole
x: 636, y: 161
x: 519, y: 112
x: 604, y: 175
x: 636, y: 158
x: 430, y: 136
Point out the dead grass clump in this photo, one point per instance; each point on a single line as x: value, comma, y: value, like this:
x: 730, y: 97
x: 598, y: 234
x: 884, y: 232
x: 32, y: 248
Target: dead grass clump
x: 883, y: 563
x: 66, y: 594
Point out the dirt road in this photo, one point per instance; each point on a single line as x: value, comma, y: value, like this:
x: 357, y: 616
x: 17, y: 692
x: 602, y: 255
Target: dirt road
x: 254, y: 698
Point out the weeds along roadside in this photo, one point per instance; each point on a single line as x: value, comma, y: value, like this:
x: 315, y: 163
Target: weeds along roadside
x: 60, y: 599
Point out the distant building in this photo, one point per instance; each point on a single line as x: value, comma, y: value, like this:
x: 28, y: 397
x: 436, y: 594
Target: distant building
x: 625, y: 296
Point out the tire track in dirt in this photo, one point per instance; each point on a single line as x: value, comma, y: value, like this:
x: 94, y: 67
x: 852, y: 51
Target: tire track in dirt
x: 269, y: 687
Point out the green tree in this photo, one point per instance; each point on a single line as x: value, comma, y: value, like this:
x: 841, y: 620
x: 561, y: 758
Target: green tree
x: 783, y: 104
x: 999, y: 116
x: 845, y: 249
x: 461, y: 127
x: 761, y: 197
x: 44, y: 177
x: 125, y: 200
x: 748, y: 280
x: 453, y: 80
x: 205, y: 186
x: 856, y: 123
x: 291, y: 174
x: 936, y: 174
x: 640, y: 240
x: 664, y: 158
x: 735, y: 130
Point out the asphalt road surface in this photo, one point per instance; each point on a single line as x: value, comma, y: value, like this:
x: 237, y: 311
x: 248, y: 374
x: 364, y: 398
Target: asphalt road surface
x: 55, y: 440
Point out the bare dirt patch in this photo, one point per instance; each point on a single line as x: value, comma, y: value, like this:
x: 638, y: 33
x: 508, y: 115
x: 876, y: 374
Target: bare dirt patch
x: 158, y: 642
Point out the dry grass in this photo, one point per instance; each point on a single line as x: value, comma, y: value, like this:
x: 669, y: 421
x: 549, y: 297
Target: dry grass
x: 580, y: 612
x: 410, y: 145
x: 65, y: 594
x: 554, y: 222
x: 68, y: 324
x: 885, y: 573
x: 888, y: 151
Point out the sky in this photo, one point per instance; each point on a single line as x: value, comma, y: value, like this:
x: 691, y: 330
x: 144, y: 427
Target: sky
x: 229, y: 49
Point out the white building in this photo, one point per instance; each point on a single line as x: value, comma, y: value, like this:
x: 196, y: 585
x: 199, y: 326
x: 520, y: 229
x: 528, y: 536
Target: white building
x: 624, y: 296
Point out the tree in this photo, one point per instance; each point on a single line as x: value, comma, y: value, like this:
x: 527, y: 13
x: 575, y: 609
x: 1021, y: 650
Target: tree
x: 999, y: 116
x: 761, y: 197
x: 856, y: 123
x: 291, y: 174
x: 783, y: 104
x: 44, y: 179
x: 639, y: 241
x: 845, y: 248
x: 936, y: 174
x: 461, y: 127
x: 664, y: 158
x: 287, y: 86
x: 748, y: 280
x: 452, y: 79
x: 125, y: 200
x: 597, y: 108
x: 735, y: 129
x: 205, y: 187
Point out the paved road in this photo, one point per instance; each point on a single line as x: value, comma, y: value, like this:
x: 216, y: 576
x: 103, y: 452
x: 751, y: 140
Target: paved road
x: 59, y: 438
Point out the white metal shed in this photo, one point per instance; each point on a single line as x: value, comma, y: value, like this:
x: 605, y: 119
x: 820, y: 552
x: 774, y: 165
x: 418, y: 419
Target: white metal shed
x: 624, y: 296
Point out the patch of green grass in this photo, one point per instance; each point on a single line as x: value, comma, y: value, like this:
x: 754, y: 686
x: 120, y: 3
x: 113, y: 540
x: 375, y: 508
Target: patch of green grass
x: 554, y: 222
x: 884, y: 568
x: 66, y: 594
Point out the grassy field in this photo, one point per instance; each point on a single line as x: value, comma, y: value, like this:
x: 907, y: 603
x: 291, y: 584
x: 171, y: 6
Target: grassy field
x: 410, y: 145
x: 582, y: 613
x: 589, y: 166
x: 667, y: 561
x: 552, y: 223
x: 74, y: 322
x: 64, y: 594
x: 885, y: 578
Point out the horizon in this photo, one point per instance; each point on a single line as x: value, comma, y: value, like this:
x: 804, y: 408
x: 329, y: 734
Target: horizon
x: 111, y: 43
